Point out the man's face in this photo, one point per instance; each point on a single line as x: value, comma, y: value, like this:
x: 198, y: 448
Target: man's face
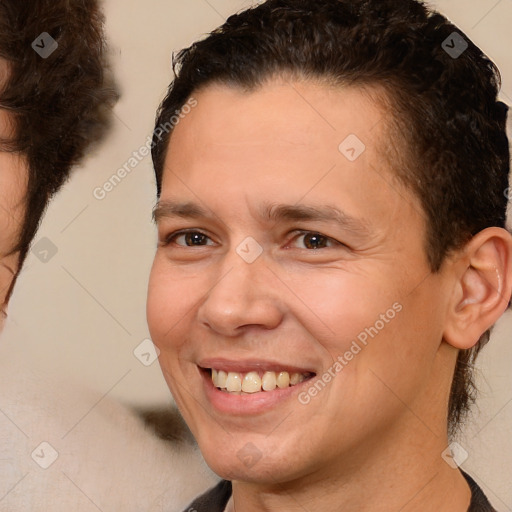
x: 300, y: 254
x: 13, y: 187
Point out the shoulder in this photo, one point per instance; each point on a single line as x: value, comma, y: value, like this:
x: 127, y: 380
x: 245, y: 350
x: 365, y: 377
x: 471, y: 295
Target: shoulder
x: 214, y: 500
x: 479, y: 502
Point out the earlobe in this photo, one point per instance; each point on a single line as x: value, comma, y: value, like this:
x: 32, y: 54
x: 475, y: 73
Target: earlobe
x: 482, y: 287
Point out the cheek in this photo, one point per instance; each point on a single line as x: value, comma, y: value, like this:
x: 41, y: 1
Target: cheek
x: 341, y: 307
x: 399, y: 355
x: 375, y: 330
x: 162, y: 308
x: 163, y: 311
x: 170, y: 304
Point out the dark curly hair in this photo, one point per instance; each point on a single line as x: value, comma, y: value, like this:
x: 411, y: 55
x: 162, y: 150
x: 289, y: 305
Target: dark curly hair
x: 447, y: 125
x: 57, y: 105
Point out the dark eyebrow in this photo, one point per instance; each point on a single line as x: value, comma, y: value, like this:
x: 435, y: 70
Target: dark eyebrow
x: 326, y: 213
x: 177, y: 209
x: 270, y: 212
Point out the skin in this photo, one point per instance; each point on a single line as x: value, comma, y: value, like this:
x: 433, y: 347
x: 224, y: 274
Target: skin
x: 372, y: 438
x: 13, y: 187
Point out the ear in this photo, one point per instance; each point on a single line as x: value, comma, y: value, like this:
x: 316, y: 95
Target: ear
x: 483, y: 287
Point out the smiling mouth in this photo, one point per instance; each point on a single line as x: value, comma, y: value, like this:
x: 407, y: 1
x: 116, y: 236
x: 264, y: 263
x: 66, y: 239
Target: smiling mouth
x: 254, y: 381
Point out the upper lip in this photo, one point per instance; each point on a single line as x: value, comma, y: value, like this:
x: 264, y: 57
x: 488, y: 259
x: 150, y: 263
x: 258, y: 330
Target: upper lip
x: 250, y: 365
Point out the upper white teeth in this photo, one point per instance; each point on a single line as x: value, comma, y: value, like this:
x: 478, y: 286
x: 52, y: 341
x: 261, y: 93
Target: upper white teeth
x: 253, y: 382
x: 234, y: 382
x: 268, y: 381
x: 283, y: 380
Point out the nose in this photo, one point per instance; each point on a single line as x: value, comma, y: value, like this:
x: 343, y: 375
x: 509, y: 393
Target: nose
x: 245, y: 296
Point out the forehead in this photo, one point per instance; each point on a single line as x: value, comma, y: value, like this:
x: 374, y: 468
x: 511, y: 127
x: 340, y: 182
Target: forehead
x: 280, y: 133
x: 305, y: 115
x: 283, y: 131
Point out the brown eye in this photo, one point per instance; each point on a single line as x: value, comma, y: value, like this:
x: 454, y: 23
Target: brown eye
x: 195, y: 239
x: 312, y: 240
x: 191, y: 239
x: 315, y: 241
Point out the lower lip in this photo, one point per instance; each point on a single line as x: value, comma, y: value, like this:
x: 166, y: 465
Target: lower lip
x: 251, y: 403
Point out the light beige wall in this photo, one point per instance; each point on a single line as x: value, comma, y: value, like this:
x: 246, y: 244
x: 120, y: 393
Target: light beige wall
x: 82, y: 313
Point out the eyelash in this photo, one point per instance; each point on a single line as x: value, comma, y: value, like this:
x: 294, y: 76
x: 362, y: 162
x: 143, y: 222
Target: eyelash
x: 172, y: 237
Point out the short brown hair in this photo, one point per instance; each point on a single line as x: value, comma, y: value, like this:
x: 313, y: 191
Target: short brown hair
x: 58, y: 105
x: 455, y: 153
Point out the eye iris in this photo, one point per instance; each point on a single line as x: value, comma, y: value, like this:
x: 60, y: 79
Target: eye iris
x: 315, y: 241
x: 195, y: 239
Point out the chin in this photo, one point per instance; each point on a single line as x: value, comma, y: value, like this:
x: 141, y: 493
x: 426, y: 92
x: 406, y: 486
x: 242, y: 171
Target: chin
x: 249, y: 459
